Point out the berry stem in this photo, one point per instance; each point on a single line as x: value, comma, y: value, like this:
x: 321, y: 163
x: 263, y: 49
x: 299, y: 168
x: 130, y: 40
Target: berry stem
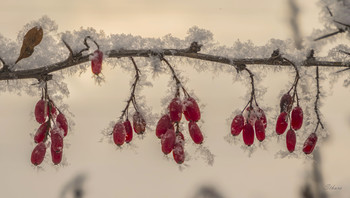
x: 319, y: 122
x: 132, y: 94
x: 178, y: 82
x: 296, y: 80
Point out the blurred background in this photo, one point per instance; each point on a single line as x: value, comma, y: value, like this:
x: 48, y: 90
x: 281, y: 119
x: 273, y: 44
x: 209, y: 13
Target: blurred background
x: 97, y: 169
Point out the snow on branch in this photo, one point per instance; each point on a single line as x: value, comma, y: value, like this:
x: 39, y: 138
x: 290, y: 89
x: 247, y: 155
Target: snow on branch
x: 75, y: 59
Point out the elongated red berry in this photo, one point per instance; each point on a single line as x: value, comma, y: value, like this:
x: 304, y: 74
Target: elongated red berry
x: 297, y: 118
x: 286, y: 103
x: 261, y: 115
x: 259, y: 130
x: 38, y: 154
x: 175, y: 109
x: 291, y: 140
x: 195, y: 132
x: 57, y: 139
x: 282, y: 123
x: 163, y: 125
x: 62, y: 123
x: 178, y: 151
x: 237, y: 124
x: 119, y: 133
x: 248, y: 134
x: 41, y: 132
x: 96, y: 62
x: 310, y: 143
x: 56, y: 157
x: 139, y: 123
x: 128, y: 131
x: 191, y: 112
x: 40, y: 111
x: 168, y: 141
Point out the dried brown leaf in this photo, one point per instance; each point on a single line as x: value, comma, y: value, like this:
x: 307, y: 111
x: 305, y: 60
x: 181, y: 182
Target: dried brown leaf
x: 32, y: 38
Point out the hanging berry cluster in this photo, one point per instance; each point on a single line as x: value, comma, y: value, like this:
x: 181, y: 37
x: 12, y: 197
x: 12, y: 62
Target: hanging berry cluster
x: 172, y: 139
x: 311, y: 141
x: 54, y: 125
x: 252, y: 117
x: 122, y: 131
x: 296, y: 118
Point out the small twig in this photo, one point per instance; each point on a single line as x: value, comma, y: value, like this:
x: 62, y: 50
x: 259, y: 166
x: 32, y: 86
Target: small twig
x: 71, y: 54
x: 329, y: 11
x: 252, y: 94
x: 344, y: 24
x: 331, y: 34
x: 132, y: 94
x: 319, y: 122
x: 296, y: 80
x: 178, y: 82
x: 87, y: 45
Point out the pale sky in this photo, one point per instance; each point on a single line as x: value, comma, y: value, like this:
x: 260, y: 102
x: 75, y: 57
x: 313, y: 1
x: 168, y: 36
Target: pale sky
x: 143, y: 171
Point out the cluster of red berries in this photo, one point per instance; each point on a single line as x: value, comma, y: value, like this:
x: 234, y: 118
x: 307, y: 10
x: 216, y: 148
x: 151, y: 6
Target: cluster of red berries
x: 122, y: 131
x: 173, y: 140
x: 251, y: 116
x: 96, y: 62
x: 53, y: 124
x: 296, y: 120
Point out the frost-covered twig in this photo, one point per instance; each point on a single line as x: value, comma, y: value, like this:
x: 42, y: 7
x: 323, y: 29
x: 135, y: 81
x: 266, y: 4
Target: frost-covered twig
x: 187, y: 52
x: 252, y: 94
x: 319, y: 122
x: 178, y: 82
x: 132, y: 94
x: 296, y: 80
x: 340, y: 30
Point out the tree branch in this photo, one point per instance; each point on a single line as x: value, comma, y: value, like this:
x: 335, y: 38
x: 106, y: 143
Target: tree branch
x: 190, y: 52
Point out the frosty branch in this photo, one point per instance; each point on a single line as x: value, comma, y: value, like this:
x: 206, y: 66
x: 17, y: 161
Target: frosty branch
x: 74, y: 59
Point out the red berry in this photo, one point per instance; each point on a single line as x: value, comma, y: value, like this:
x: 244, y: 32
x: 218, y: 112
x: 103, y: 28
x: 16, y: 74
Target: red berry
x: 237, y: 124
x: 96, y: 62
x: 41, y: 132
x: 175, y: 109
x: 191, y: 112
x: 119, y: 133
x: 259, y: 130
x: 56, y: 157
x: 282, y: 123
x: 61, y: 122
x: 163, y: 125
x: 168, y: 141
x: 38, y: 154
x: 128, y: 131
x: 262, y: 117
x: 195, y: 132
x: 178, y: 151
x: 291, y: 140
x: 310, y: 143
x: 286, y: 103
x: 40, y: 111
x: 248, y: 134
x: 57, y: 139
x: 297, y: 118
x: 139, y: 123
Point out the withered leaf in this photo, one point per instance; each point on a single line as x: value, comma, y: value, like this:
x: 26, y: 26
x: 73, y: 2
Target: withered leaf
x: 32, y: 38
